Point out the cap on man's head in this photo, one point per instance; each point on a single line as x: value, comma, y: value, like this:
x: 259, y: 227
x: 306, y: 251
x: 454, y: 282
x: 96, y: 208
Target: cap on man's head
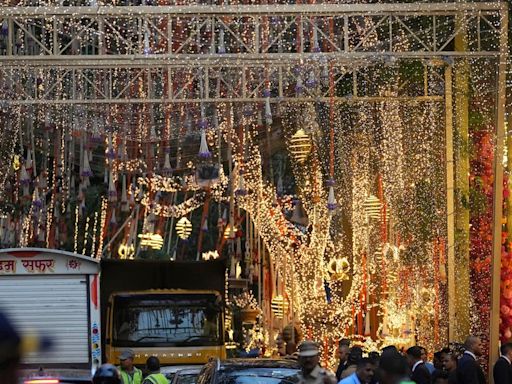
x: 127, y: 354
x: 308, y: 348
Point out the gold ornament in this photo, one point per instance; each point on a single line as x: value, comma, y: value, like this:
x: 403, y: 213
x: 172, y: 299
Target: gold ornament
x: 373, y: 207
x: 183, y: 228
x: 279, y: 306
x: 338, y: 268
x: 300, y: 145
x: 230, y: 232
x: 152, y: 240
x: 126, y: 251
x: 16, y: 164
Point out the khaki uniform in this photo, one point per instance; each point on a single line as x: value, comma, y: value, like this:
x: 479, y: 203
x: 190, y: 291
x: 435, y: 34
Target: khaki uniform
x: 318, y: 376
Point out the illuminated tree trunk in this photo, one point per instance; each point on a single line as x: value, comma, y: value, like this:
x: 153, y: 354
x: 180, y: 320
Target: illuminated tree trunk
x: 462, y: 170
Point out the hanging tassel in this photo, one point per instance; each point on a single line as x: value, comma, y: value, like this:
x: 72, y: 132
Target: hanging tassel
x: 268, y: 111
x: 241, y: 191
x: 24, y: 180
x: 316, y: 46
x: 43, y: 183
x: 367, y: 327
x: 28, y: 162
x: 113, y: 220
x: 124, y: 196
x: 112, y: 193
x: 331, y: 200
x: 204, y: 152
x: 111, y: 154
x: 325, y: 76
x: 279, y: 187
x: 222, y: 46
x: 311, y: 81
x: 205, y: 225
x: 37, y: 203
x: 82, y: 208
x: 86, y: 170
x: 298, y: 86
x: 147, y: 48
x: 167, y: 169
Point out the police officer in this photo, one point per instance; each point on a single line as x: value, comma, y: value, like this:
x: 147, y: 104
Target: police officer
x: 129, y: 373
x: 107, y: 374
x: 154, y: 377
x: 309, y: 360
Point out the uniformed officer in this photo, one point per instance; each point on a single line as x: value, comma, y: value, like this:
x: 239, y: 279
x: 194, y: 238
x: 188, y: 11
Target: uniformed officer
x: 154, y: 377
x: 129, y: 373
x: 311, y: 372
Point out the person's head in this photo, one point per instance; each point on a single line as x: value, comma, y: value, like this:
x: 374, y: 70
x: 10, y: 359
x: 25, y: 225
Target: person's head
x: 343, y: 351
x: 424, y: 355
x: 355, y: 355
x: 506, y: 350
x: 10, y: 351
x: 413, y: 355
x: 448, y: 360
x: 107, y: 374
x: 374, y: 357
x: 153, y: 364
x: 440, y: 377
x: 365, y: 370
x: 474, y: 344
x: 309, y: 356
x: 392, y: 367
x: 438, y: 364
x: 126, y: 359
x: 389, y: 349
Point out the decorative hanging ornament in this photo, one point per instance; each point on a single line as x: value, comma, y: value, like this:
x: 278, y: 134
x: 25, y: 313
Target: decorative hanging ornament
x: 183, y: 228
x: 279, y: 306
x: 331, y: 199
x: 298, y: 86
x: 167, y: 169
x: 204, y: 152
x: 241, y: 191
x: 373, y: 207
x: 268, y: 110
x: 86, y: 170
x: 126, y: 251
x: 124, y: 196
x: 16, y: 163
x: 300, y: 145
x: 338, y: 269
x: 112, y: 192
x: 152, y: 240
x: 24, y: 180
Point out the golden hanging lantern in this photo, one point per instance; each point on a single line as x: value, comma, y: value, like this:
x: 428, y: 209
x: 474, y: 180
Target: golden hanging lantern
x: 279, y: 306
x: 373, y: 207
x: 183, y: 228
x: 152, y: 240
x: 300, y: 145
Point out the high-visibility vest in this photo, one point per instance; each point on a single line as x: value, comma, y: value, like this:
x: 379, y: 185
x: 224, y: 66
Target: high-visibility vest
x: 157, y: 378
x: 135, y: 379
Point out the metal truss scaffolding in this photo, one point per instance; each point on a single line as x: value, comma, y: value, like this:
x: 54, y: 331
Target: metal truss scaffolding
x: 176, y: 54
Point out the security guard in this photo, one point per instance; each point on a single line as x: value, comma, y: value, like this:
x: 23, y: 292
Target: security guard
x: 311, y: 372
x: 129, y: 373
x: 154, y: 377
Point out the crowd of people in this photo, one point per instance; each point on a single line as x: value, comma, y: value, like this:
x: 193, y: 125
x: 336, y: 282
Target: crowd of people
x: 455, y: 365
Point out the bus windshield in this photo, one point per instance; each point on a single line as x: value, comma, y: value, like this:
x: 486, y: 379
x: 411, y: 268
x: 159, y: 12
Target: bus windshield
x: 167, y: 320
